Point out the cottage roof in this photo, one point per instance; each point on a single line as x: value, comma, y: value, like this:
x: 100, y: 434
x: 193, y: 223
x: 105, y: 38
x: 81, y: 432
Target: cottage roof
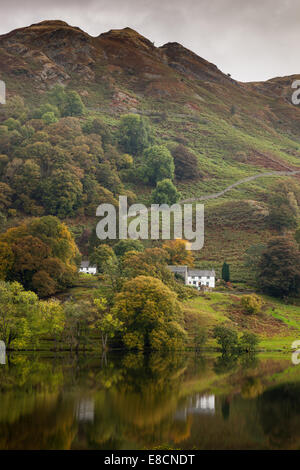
x: 86, y: 265
x: 184, y: 270
x: 178, y: 269
x: 201, y: 272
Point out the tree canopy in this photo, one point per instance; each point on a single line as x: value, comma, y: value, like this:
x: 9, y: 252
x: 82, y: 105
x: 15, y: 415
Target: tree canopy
x: 165, y: 193
x: 158, y: 164
x: 40, y: 254
x: 279, y: 268
x: 134, y: 134
x: 150, y: 313
x: 225, y: 272
x: 186, y: 163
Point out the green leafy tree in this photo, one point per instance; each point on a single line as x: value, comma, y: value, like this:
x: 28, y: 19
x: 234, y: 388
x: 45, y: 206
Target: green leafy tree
x: 151, y: 262
x: 282, y: 213
x: 108, y: 177
x: 19, y: 314
x: 249, y: 342
x: 46, y: 108
x: 7, y: 260
x: 123, y: 246
x: 52, y: 320
x: 57, y: 96
x: 158, y: 164
x: 62, y: 193
x: 101, y: 255
x: 232, y: 110
x: 5, y: 197
x: 165, y: 193
x: 225, y: 272
x: 226, y: 338
x: 94, y: 125
x: 12, y: 124
x: 134, y: 134
x: 73, y: 105
x: 297, y: 236
x: 282, y: 217
x: 113, y: 279
x: 16, y: 108
x: 105, y: 322
x: 279, y: 269
x: 151, y: 315
x: 49, y: 117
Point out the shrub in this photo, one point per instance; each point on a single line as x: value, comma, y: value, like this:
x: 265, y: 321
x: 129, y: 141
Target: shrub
x: 158, y: 164
x: 279, y: 272
x: 199, y: 338
x: 251, y: 304
x: 248, y: 342
x: 165, y: 193
x: 134, y: 134
x: 186, y: 163
x: 123, y: 246
x: 226, y: 338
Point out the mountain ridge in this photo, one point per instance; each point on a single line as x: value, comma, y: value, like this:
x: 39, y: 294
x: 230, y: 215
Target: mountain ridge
x: 117, y: 34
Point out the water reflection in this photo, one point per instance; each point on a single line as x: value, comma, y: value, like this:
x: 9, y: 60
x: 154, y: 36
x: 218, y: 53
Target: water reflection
x: 85, y: 409
x: 2, y: 353
x: 138, y: 401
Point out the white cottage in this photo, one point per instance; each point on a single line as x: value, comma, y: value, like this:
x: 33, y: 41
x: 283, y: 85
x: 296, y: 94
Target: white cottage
x: 87, y: 268
x: 195, y: 277
x: 199, y: 277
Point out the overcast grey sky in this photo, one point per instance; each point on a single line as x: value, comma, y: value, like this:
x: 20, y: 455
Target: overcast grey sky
x: 251, y: 39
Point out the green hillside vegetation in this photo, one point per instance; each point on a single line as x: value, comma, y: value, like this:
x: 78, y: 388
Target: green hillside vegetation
x: 68, y: 166
x: 276, y: 323
x: 157, y: 125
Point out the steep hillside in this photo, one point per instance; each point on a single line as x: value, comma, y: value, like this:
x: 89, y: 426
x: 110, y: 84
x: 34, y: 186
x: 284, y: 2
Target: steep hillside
x: 235, y: 129
x: 122, y: 71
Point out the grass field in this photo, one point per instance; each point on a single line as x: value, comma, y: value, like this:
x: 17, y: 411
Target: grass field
x: 277, y: 325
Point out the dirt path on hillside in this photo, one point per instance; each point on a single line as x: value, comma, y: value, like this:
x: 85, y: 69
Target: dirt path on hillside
x: 234, y: 185
x: 229, y: 188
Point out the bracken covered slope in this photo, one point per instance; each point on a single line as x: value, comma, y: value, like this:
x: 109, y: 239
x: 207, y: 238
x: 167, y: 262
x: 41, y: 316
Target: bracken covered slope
x: 235, y: 129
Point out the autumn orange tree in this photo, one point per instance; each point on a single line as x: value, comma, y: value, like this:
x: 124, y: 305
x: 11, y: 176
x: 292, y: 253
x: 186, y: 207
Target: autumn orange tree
x: 40, y: 254
x: 151, y: 262
x: 178, y: 253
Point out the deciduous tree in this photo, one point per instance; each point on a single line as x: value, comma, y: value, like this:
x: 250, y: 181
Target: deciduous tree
x: 178, y: 253
x: 158, y: 164
x: 165, y: 193
x: 279, y: 269
x: 186, y: 163
x: 151, y: 314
